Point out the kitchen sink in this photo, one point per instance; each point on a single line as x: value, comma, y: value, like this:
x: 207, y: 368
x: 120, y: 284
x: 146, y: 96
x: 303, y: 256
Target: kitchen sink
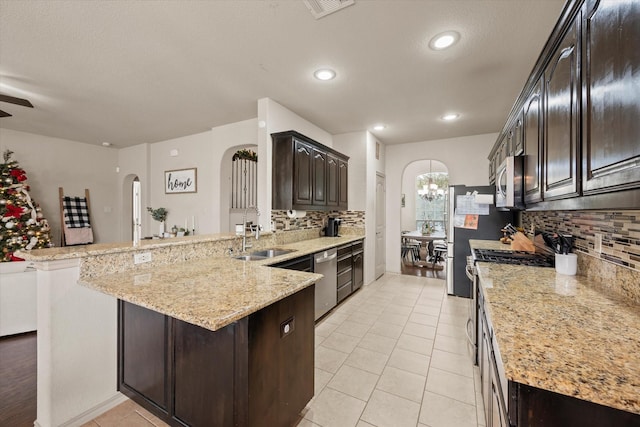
x: 264, y: 254
x: 250, y: 257
x: 270, y: 253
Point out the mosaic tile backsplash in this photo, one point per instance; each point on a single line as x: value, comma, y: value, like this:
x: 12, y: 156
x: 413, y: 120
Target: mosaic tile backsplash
x: 316, y: 220
x: 620, y: 231
x: 618, y: 265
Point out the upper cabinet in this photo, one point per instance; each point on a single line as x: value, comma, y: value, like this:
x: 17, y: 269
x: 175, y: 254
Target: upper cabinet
x: 580, y: 112
x: 532, y: 135
x: 561, y: 114
x: 611, y: 105
x: 307, y: 174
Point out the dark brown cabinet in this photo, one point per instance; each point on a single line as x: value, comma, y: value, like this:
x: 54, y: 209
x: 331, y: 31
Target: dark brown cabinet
x: 532, y: 134
x: 256, y: 371
x: 611, y: 106
x: 307, y: 174
x: 562, y: 118
x: 587, y: 107
x: 350, y: 269
x: 303, y: 178
x: 143, y: 356
x: 333, y: 181
x: 319, y: 173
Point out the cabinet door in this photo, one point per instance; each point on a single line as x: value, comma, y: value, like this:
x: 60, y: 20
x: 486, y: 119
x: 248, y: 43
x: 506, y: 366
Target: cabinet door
x: 205, y: 387
x: 484, y: 360
x: 358, y: 269
x: 516, y: 145
x: 319, y: 177
x: 333, y: 181
x: 343, y: 194
x: 533, y: 145
x: 303, y: 174
x: 143, y: 353
x: 561, y: 121
x: 611, y: 69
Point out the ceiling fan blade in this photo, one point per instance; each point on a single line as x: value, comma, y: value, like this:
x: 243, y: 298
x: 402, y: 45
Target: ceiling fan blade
x: 4, y: 114
x: 17, y: 101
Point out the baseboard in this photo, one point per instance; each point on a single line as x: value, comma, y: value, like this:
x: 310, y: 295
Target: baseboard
x: 94, y: 412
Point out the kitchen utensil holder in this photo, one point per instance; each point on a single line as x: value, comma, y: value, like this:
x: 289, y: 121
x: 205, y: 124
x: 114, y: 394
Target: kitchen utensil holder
x: 522, y: 243
x: 567, y: 264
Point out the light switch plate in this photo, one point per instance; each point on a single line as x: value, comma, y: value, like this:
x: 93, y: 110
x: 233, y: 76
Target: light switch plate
x: 142, y: 257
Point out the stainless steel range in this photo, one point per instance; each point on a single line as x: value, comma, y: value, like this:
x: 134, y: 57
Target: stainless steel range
x: 513, y: 257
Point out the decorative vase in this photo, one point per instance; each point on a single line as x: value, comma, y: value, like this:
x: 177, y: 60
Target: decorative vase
x: 161, y: 230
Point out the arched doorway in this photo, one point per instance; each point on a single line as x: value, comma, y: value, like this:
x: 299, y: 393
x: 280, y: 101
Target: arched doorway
x: 131, y: 208
x: 230, y: 214
x: 424, y: 212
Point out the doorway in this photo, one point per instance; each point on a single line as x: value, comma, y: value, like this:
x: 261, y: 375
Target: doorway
x: 424, y: 214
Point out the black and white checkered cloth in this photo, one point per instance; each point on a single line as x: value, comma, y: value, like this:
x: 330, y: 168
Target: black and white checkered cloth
x: 76, y: 212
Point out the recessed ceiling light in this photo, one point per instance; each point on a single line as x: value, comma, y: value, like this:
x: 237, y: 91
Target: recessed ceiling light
x: 106, y: 144
x: 444, y: 40
x: 450, y: 117
x: 379, y: 127
x: 324, y: 74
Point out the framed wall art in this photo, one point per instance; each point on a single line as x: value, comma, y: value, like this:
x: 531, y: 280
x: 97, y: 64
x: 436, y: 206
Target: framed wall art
x: 181, y: 181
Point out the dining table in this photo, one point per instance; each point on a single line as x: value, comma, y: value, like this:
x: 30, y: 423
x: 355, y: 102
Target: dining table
x: 425, y: 238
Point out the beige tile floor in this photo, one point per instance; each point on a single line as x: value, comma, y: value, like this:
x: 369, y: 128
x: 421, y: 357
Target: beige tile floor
x: 393, y: 354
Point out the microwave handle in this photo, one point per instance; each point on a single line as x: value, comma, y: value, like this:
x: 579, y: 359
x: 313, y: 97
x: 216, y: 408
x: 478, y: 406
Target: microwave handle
x: 498, y: 181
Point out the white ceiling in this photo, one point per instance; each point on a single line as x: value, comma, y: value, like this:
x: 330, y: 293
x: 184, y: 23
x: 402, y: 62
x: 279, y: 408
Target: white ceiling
x: 130, y: 72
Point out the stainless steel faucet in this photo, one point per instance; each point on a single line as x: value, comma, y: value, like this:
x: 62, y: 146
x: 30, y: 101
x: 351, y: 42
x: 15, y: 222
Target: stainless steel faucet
x: 255, y: 227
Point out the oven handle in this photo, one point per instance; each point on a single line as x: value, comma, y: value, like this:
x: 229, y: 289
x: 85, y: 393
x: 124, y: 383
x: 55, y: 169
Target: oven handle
x: 467, y: 332
x: 470, y: 272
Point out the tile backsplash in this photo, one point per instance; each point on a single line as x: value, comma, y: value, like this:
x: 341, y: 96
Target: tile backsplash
x: 617, y: 266
x: 316, y: 220
x: 619, y: 230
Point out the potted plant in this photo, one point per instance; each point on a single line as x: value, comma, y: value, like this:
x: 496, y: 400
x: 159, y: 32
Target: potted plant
x: 159, y: 215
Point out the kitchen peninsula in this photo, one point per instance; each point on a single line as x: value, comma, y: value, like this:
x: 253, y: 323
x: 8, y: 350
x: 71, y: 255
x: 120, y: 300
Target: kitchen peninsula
x: 204, y: 319
x: 564, y: 349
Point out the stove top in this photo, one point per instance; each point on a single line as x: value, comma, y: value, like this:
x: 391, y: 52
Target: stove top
x: 513, y: 257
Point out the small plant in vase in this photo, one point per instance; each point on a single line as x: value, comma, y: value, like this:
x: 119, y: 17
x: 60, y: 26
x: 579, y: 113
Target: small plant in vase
x: 159, y: 215
x: 427, y: 228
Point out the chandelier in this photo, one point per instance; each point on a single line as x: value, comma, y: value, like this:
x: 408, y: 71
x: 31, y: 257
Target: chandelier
x: 430, y: 191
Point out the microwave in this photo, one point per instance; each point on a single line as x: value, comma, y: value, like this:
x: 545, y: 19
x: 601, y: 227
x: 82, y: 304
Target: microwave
x: 510, y: 183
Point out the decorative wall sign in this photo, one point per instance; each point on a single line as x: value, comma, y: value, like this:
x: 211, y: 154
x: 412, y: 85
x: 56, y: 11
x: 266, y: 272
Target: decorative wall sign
x: 181, y: 181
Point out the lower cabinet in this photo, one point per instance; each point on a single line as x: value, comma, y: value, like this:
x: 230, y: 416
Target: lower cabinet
x: 350, y: 269
x: 512, y: 404
x: 258, y: 371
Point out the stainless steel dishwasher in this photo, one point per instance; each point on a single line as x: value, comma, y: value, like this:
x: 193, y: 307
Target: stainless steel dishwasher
x: 326, y: 263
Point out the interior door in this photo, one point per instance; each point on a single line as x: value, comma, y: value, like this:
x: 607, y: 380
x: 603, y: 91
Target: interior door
x: 380, y: 225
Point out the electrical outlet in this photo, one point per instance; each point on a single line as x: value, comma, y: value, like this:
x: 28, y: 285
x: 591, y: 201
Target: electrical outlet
x: 597, y: 243
x: 142, y: 258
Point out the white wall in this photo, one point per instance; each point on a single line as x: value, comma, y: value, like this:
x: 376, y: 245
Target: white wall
x: 204, y: 151
x: 53, y: 162
x: 466, y: 158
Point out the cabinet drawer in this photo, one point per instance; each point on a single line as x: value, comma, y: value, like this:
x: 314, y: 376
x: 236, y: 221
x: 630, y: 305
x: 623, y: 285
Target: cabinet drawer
x: 344, y: 263
x: 344, y: 250
x: 357, y: 246
x: 344, y: 291
x: 344, y: 277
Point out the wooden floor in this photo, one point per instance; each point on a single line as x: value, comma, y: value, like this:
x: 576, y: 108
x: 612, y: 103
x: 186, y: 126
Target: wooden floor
x: 420, y: 270
x: 18, y: 380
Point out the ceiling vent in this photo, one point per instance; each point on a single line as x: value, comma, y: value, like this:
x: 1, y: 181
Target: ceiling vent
x: 320, y: 8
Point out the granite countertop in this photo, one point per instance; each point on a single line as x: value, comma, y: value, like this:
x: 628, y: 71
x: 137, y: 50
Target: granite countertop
x: 211, y: 292
x: 565, y: 334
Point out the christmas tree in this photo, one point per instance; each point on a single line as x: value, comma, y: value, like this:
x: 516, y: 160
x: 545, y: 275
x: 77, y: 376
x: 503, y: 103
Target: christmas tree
x: 22, y: 225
